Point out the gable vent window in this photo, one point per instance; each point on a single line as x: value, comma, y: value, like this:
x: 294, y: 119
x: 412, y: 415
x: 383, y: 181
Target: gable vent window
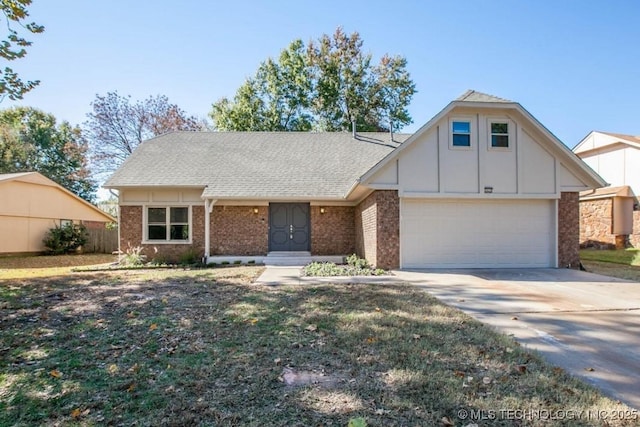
x: 168, y: 224
x: 461, y: 132
x: 499, y: 135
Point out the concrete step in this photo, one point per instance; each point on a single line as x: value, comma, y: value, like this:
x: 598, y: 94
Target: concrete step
x: 293, y: 259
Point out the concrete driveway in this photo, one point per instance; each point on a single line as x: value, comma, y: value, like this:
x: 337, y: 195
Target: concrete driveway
x: 585, y: 323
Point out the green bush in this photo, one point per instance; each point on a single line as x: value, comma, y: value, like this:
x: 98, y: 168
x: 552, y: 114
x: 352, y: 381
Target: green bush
x: 354, y: 261
x: 65, y: 239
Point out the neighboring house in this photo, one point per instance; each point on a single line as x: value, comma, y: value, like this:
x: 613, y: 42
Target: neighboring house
x: 610, y: 216
x: 482, y: 184
x: 31, y: 204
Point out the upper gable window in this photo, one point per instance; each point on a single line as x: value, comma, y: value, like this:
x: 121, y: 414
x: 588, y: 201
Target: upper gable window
x: 499, y: 134
x: 460, y: 133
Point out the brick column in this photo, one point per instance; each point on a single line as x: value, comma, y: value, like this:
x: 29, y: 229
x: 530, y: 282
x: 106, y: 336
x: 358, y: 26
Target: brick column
x: 377, y: 220
x: 568, y: 231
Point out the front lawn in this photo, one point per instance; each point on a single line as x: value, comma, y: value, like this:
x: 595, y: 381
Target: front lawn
x: 620, y: 263
x: 207, y: 347
x: 15, y: 267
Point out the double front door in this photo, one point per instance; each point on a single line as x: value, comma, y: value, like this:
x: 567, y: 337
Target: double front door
x: 289, y: 227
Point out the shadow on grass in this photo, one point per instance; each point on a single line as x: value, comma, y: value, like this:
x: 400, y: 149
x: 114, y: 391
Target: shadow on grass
x: 207, y: 347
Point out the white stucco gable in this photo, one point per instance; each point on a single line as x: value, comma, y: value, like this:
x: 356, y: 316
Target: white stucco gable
x: 615, y: 157
x: 482, y: 147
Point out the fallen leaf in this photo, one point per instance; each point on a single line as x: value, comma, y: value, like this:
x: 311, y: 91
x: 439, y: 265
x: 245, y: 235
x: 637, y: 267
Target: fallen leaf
x: 382, y: 411
x: 378, y: 309
x: 514, y: 318
x: 458, y: 373
x: 277, y: 361
x: 509, y: 350
x: 558, y: 371
x: 371, y: 340
x: 416, y: 337
x: 55, y: 373
x: 312, y: 328
x: 153, y: 327
x: 76, y: 413
x: 589, y: 369
x: 165, y: 300
x: 131, y: 315
x: 135, y: 368
x: 113, y: 368
x: 131, y: 387
x: 253, y: 321
x: 446, y: 421
x: 487, y: 380
x: 521, y: 368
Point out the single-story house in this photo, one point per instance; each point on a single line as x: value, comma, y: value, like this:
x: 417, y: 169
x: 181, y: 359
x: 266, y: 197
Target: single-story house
x: 31, y: 204
x: 610, y: 217
x: 481, y: 184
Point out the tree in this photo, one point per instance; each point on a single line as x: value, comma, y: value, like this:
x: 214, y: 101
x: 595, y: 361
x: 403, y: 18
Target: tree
x: 31, y: 140
x: 15, y: 12
x: 323, y: 86
x: 276, y: 99
x: 116, y: 126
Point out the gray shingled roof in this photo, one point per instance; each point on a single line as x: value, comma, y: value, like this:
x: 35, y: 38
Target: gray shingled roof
x: 256, y: 164
x: 474, y: 96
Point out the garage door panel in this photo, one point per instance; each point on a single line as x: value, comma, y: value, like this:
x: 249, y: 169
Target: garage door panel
x: 477, y: 234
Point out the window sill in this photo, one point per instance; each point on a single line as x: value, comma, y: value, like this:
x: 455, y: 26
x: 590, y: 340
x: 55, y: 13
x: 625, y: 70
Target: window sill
x: 166, y: 242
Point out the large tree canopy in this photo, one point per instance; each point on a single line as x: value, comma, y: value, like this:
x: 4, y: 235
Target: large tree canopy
x: 30, y: 140
x: 323, y: 86
x: 13, y: 47
x: 117, y: 125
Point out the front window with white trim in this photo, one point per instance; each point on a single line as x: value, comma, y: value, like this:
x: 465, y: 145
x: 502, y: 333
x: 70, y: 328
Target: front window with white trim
x: 169, y: 224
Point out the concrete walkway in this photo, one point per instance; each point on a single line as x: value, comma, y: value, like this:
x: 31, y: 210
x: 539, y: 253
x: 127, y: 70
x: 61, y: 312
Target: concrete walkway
x: 585, y: 323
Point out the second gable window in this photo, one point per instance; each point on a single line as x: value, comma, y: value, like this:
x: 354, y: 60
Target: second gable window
x: 499, y: 135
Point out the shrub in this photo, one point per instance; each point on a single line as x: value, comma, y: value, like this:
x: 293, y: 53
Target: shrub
x: 355, y: 267
x: 133, y: 257
x: 354, y: 261
x: 65, y: 239
x: 189, y: 257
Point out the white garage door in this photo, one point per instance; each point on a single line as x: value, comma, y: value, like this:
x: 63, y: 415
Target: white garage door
x: 477, y: 234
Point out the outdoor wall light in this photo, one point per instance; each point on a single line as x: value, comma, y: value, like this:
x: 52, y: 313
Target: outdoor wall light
x: 255, y: 211
x: 488, y: 190
x: 322, y: 210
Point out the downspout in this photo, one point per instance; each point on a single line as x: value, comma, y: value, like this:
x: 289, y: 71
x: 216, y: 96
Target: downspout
x: 208, y: 208
x: 117, y: 196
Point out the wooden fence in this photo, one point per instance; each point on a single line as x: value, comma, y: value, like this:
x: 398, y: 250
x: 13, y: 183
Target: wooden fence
x: 101, y: 241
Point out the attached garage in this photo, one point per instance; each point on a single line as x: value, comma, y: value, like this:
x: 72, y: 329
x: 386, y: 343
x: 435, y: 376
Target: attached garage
x: 467, y: 233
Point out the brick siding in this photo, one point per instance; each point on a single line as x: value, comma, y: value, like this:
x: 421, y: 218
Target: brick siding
x: 568, y: 231
x: 596, y: 218
x: 131, y: 236
x: 237, y: 230
x: 94, y: 225
x: 634, y: 238
x: 377, y: 222
x: 333, y: 232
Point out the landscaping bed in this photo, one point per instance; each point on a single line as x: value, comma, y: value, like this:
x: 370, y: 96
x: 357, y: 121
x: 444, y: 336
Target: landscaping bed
x: 208, y: 347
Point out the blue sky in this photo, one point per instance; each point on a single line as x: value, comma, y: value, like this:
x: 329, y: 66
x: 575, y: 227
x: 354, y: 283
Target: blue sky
x: 575, y: 65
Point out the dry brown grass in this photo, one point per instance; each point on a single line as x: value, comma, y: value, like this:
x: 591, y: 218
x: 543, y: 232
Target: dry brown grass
x: 207, y: 347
